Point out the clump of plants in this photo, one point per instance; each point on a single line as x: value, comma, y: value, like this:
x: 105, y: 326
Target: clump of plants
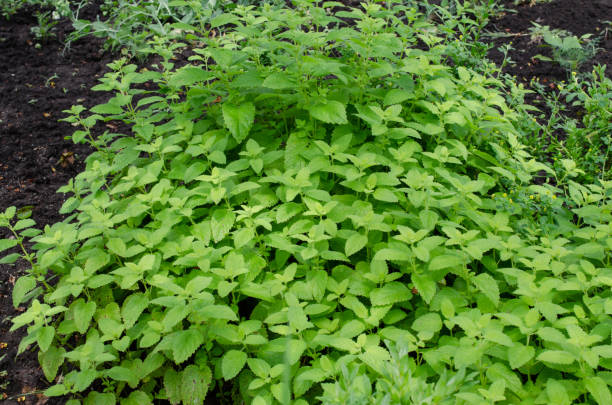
x: 306, y: 214
x: 569, y: 51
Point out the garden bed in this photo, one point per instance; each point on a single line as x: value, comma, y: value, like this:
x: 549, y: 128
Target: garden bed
x: 37, y: 155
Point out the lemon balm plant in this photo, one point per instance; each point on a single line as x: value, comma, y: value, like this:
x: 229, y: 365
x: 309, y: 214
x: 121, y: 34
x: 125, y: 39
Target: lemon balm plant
x: 307, y: 205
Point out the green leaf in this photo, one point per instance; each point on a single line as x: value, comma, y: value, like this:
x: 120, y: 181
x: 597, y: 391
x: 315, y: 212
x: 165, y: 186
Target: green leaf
x: 239, y: 119
x: 232, y: 362
x: 332, y: 112
x: 51, y: 360
x: 355, y: 243
x: 445, y: 262
x: 185, y: 343
x: 488, y: 286
x: 7, y: 244
x: 425, y: 286
x: 259, y: 367
x: 599, y: 389
x: 221, y: 223
x: 518, y: 355
x: 132, y: 308
x: 218, y: 312
x: 279, y: 81
x: 97, y: 398
x: 189, y: 75
x: 23, y: 285
x: 427, y: 325
x: 45, y: 337
x: 172, y: 384
x: 243, y: 236
x: 83, y: 312
x: 194, y: 384
x: 556, y: 357
x: 391, y: 293
x: 295, y: 349
x: 557, y: 394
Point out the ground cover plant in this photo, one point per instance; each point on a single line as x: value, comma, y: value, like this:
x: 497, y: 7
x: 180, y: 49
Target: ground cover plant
x: 317, y: 215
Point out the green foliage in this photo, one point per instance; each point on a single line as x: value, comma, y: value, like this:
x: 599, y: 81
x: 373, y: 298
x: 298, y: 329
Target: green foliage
x: 568, y: 50
x: 303, y: 213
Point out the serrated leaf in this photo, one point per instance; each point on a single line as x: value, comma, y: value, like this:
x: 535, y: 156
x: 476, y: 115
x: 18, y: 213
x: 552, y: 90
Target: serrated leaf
x: 221, y: 223
x: 185, y: 343
x: 132, y: 308
x: 355, y: 243
x: 430, y: 323
x: 189, y: 75
x: 22, y: 286
x: 7, y: 244
x: 259, y: 367
x: 98, y: 398
x: 295, y: 349
x: 232, y: 362
x: 45, y: 337
x: 51, y: 360
x: 445, y: 262
x: 556, y: 357
x: 218, y: 312
x: 425, y: 286
x: 239, y: 119
x: 518, y: 355
x: 599, y: 390
x: 557, y: 394
x: 279, y: 81
x: 390, y: 293
x: 488, y: 286
x: 194, y: 384
x: 83, y: 312
x: 172, y: 385
x: 332, y: 112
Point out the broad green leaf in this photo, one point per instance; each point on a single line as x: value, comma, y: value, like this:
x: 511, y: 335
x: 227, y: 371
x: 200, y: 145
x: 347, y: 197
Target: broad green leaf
x: 221, y: 223
x: 556, y: 357
x: 7, y: 244
x: 83, y: 312
x: 599, y: 390
x: 22, y: 286
x: 332, y: 112
x: 239, y: 119
x: 519, y: 355
x: 50, y: 361
x: 194, y: 384
x: 557, y: 394
x: 132, y: 308
x: 355, y: 243
x: 185, y: 343
x: 172, y: 385
x: 98, y: 398
x: 45, y: 337
x: 427, y: 324
x: 488, y: 286
x: 446, y: 261
x: 232, y: 362
x: 425, y: 286
x: 390, y: 293
x: 279, y: 81
x: 189, y: 75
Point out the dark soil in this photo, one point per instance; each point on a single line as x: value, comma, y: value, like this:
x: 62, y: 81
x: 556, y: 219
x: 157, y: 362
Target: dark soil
x: 579, y: 18
x: 36, y: 84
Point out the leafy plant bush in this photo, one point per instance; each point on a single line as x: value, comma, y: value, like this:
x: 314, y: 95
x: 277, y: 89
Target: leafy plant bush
x: 569, y: 51
x: 295, y: 198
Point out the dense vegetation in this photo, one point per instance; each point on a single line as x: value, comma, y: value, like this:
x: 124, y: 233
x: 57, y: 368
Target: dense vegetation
x: 334, y: 207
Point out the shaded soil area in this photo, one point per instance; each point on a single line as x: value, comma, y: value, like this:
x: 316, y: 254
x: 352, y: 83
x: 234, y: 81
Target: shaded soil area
x: 37, y: 82
x: 578, y: 18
